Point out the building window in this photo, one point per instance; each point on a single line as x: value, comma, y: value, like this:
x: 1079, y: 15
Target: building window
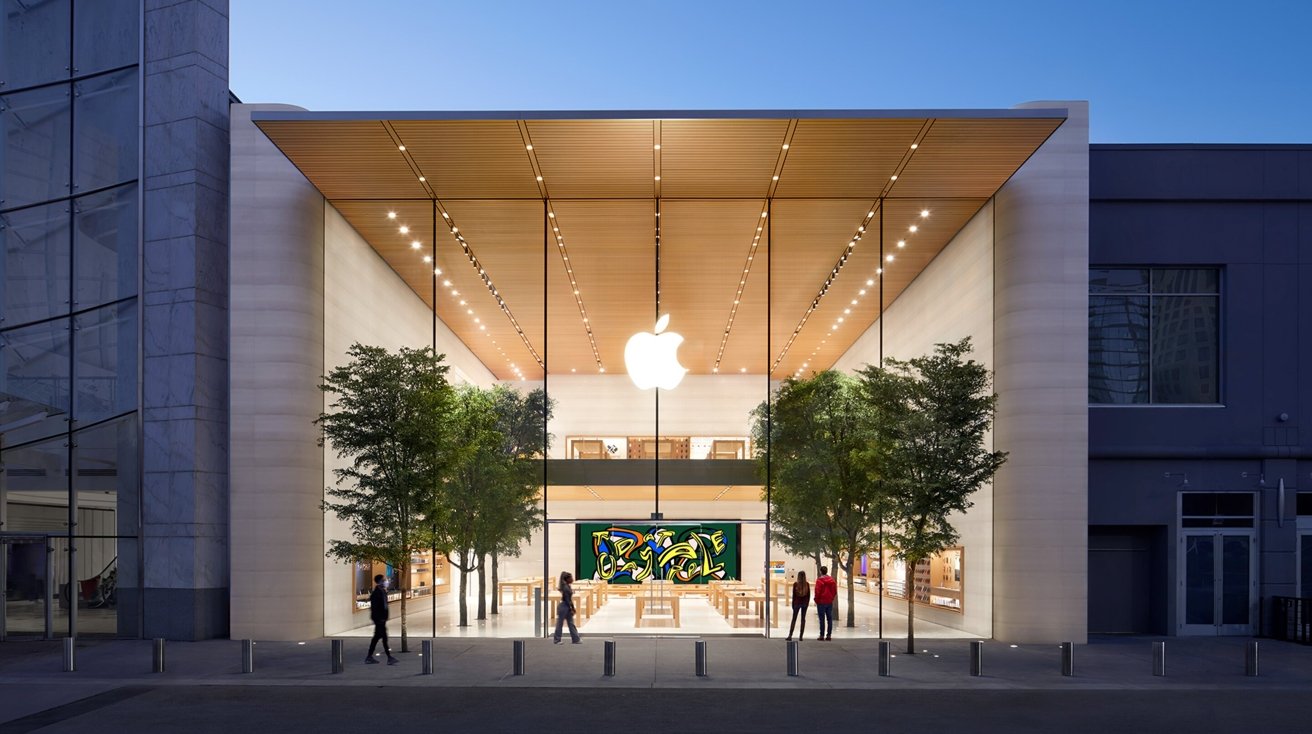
x: 1154, y: 336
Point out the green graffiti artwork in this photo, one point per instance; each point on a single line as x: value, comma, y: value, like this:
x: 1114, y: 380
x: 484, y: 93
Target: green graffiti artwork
x: 628, y: 554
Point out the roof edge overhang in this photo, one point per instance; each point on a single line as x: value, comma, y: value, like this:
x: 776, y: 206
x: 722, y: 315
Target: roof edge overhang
x: 1057, y: 113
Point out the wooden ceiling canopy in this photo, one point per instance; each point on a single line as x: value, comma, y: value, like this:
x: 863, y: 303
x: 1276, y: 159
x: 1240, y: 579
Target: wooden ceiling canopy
x: 545, y: 225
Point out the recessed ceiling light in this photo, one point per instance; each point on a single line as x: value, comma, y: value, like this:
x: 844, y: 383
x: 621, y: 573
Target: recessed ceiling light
x: 785, y: 146
x: 528, y: 147
x: 870, y: 282
x: 601, y: 369
x: 539, y: 178
x: 391, y: 215
x: 847, y: 310
x: 924, y: 212
x: 416, y: 245
x: 437, y: 271
x: 552, y: 215
x: 400, y: 147
x: 742, y: 369
x: 913, y: 228
x: 861, y: 292
x: 445, y: 215
x: 657, y: 146
x: 915, y: 145
x: 405, y: 229
x: 447, y: 283
x: 422, y: 179
x: 889, y: 257
x: 764, y: 215
x: 774, y: 178
x: 658, y: 178
x: 893, y: 177
x: 901, y: 243
x: 428, y: 259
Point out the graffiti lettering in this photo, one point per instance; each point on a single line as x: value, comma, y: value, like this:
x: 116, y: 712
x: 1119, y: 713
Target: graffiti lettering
x: 633, y: 555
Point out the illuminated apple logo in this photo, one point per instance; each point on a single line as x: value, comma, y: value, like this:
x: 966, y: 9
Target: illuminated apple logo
x: 652, y: 359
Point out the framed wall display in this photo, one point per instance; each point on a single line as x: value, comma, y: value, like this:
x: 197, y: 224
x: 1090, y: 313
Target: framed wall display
x: 637, y: 552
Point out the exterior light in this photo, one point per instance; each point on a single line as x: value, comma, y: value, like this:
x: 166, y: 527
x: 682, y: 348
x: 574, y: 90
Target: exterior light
x: 428, y: 259
x: 915, y: 145
x: 416, y: 245
x: 400, y: 147
x: 785, y: 146
x: 539, y: 178
x: 422, y: 179
x: 528, y: 147
x: 391, y: 215
x: 870, y: 282
x: 893, y: 177
x: 656, y: 146
x: 924, y: 213
x: 889, y: 257
x: 405, y: 229
x: 901, y: 243
x: 913, y: 228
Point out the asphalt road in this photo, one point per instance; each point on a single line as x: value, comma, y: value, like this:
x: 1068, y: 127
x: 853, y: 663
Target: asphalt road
x: 199, y: 709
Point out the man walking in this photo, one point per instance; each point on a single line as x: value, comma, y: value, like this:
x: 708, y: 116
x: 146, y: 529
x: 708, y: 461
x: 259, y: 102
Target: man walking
x: 826, y: 590
x: 378, y: 613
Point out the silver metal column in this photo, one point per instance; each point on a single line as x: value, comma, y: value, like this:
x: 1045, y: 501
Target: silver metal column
x: 885, y: 658
x: 339, y: 662
x: 538, y: 629
x: 426, y: 653
x: 1068, y: 658
x: 157, y: 656
x: 1159, y: 658
x: 517, y: 653
x: 699, y: 658
x: 1250, y: 659
x: 608, y: 660
x: 793, y: 669
x: 976, y: 658
x: 70, y: 654
x: 248, y: 656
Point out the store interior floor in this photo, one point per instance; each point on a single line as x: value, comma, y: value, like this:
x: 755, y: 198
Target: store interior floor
x: 616, y: 617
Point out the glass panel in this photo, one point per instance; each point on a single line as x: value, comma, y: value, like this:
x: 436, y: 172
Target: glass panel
x: 1184, y: 351
x: 35, y: 264
x: 33, y: 41
x: 1305, y: 565
x: 1186, y: 280
x: 34, y: 394
x: 35, y: 489
x: 1118, y: 349
x: 1118, y: 280
x: 1304, y: 503
x: 106, y: 136
x: 106, y: 246
x: 1235, y: 579
x: 105, y: 34
x: 34, y: 140
x: 1199, y: 580
x: 106, y: 365
x: 26, y: 565
x: 105, y: 479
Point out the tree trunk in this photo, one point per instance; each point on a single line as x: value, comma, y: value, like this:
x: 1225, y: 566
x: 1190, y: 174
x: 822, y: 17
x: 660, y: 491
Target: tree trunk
x: 833, y: 566
x: 405, y: 579
x: 851, y: 590
x: 464, y: 589
x: 482, y: 586
x: 911, y: 606
x: 495, y: 595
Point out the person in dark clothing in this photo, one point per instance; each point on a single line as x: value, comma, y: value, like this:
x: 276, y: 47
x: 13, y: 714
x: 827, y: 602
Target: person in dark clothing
x: 801, y: 600
x: 565, y: 609
x: 378, y: 613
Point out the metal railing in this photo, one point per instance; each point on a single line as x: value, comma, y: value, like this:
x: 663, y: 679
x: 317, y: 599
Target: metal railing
x: 1291, y: 619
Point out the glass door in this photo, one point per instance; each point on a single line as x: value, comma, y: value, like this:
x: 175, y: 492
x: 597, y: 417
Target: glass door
x: 26, y: 591
x: 1218, y: 582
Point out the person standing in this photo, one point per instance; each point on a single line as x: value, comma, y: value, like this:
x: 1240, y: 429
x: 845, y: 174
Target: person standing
x: 801, y: 600
x: 826, y: 590
x: 378, y: 613
x: 565, y: 609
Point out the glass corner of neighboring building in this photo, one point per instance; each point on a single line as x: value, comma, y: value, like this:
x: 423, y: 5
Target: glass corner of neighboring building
x: 70, y: 165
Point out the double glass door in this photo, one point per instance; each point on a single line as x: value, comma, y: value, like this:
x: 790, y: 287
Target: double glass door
x: 1218, y: 582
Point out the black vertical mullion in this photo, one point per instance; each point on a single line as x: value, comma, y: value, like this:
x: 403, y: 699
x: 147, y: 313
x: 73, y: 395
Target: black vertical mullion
x: 656, y: 513
x: 769, y: 270
x: 546, y: 401
x: 882, y: 213
x: 72, y: 331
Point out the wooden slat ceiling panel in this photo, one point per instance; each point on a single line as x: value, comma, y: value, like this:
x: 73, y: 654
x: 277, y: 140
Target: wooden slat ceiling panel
x: 970, y: 158
x: 471, y: 159
x: 704, y: 250
x: 844, y: 158
x: 346, y: 159
x: 806, y: 240
x: 506, y: 237
x: 598, y: 493
x: 719, y: 158
x: 370, y: 219
x: 595, y: 158
x: 611, y: 249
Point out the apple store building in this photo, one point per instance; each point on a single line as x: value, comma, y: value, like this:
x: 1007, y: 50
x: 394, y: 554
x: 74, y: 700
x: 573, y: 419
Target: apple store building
x: 658, y: 274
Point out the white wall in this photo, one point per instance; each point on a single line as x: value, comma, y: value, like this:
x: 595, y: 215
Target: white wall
x: 951, y: 299
x: 366, y: 301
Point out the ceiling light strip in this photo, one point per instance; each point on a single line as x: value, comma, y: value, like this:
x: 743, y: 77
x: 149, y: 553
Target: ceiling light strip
x: 533, y: 158
x: 906, y: 158
x: 783, y: 157
x: 405, y: 154
x: 742, y: 284
x: 656, y: 161
x: 829, y: 280
x: 573, y: 283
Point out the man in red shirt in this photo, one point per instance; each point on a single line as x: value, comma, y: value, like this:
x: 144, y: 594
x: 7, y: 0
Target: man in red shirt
x: 826, y: 590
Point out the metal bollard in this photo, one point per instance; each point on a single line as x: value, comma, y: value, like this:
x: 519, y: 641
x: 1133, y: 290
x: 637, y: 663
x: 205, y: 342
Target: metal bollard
x: 885, y: 658
x: 1159, y: 658
x: 699, y: 658
x: 426, y: 652
x: 157, y: 656
x: 517, y: 657
x: 976, y: 658
x: 608, y: 662
x: 339, y: 660
x: 1250, y: 659
x: 539, y: 627
x: 793, y: 669
x: 70, y: 655
x: 248, y: 656
x: 1068, y: 658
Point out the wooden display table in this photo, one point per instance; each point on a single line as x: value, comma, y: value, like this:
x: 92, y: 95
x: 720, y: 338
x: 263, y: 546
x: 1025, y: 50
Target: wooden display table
x: 642, y: 603
x: 750, y: 605
x: 527, y: 583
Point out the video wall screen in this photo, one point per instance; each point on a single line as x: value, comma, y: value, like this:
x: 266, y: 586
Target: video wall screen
x: 632, y: 553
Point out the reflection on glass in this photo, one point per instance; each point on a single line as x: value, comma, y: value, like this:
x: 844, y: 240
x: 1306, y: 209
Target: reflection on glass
x: 1235, y: 580
x: 1305, y: 564
x: 1186, y: 280
x: 106, y: 246
x: 34, y: 130
x: 105, y: 480
x: 1118, y: 280
x: 34, y: 270
x: 1199, y: 580
x: 26, y: 565
x: 34, y: 389
x: 106, y: 364
x: 1118, y: 349
x: 104, y: 35
x: 36, y: 487
x: 1185, y: 349
x: 105, y: 143
x: 34, y: 41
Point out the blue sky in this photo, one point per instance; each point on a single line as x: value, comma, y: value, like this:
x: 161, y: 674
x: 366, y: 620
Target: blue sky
x: 1152, y: 70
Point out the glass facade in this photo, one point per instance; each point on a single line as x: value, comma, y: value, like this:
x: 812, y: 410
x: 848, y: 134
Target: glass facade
x: 1154, y: 336
x: 69, y: 223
